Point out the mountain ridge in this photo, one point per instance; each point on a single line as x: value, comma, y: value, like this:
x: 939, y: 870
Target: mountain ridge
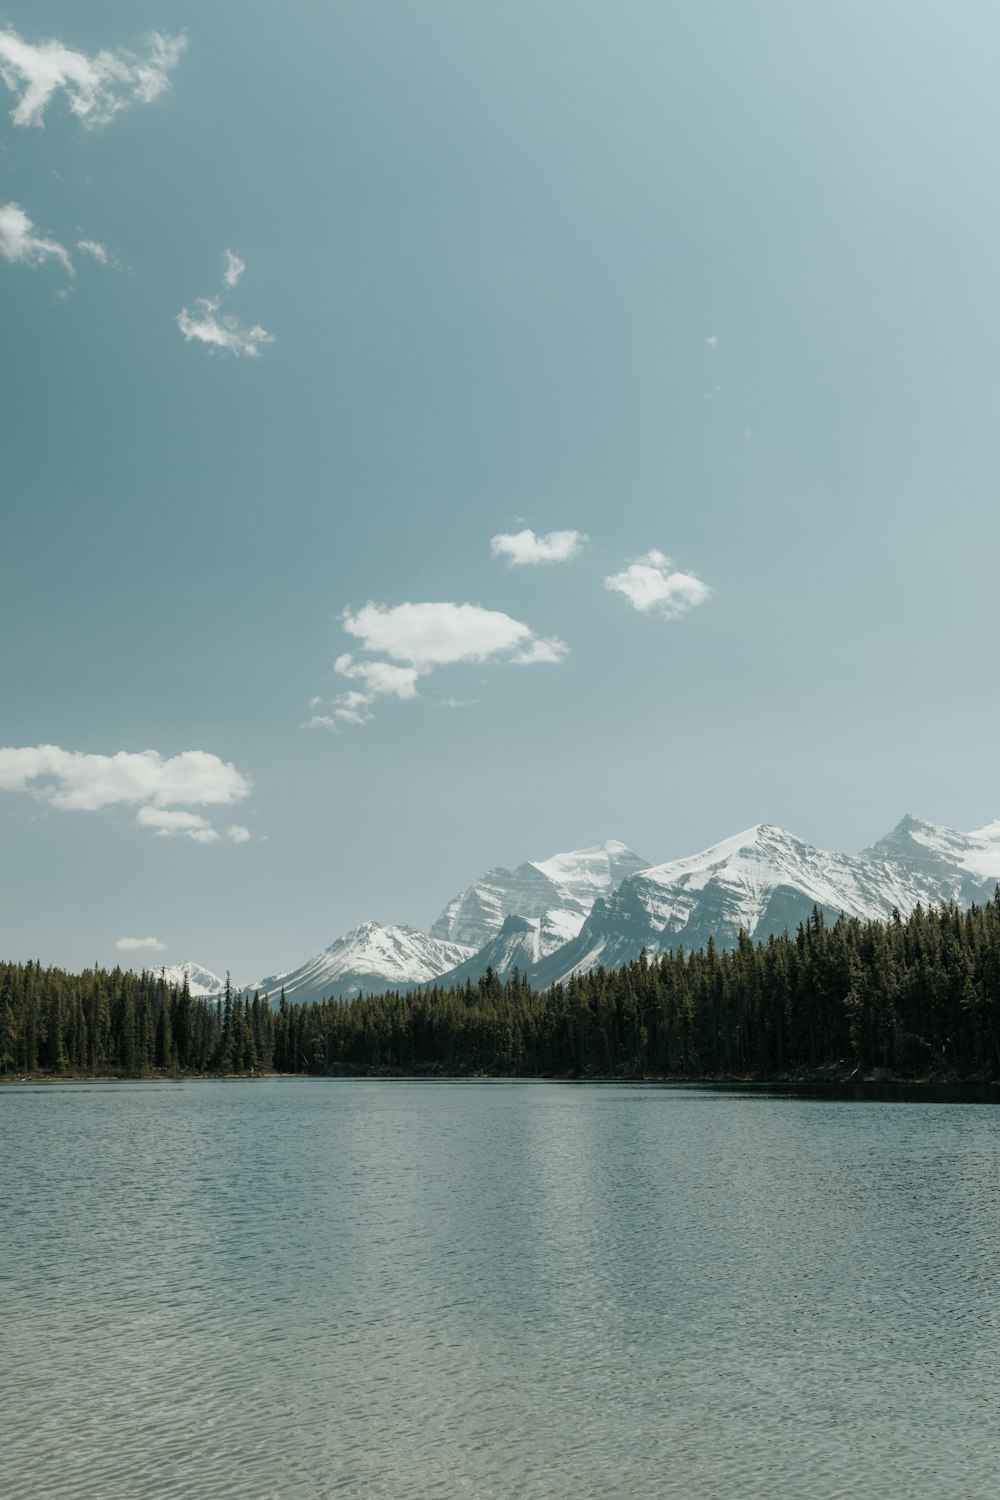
x: 604, y: 905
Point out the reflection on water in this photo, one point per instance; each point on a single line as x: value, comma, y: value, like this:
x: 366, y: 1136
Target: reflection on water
x: 312, y: 1288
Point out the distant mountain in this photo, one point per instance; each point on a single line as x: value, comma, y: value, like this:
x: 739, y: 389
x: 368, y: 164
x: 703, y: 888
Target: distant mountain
x: 201, y: 982
x: 568, y: 883
x: 765, y: 880
x: 370, y: 959
x: 556, y: 917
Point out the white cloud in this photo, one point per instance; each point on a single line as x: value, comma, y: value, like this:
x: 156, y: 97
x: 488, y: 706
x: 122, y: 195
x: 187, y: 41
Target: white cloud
x: 524, y: 547
x: 654, y: 582
x: 421, y: 638
x: 134, y: 945
x: 85, y: 782
x: 234, y: 270
x: 381, y: 678
x: 167, y: 821
x: 712, y: 341
x: 551, y: 651
x: 19, y: 242
x: 221, y: 330
x: 434, y: 635
x: 162, y: 788
x: 238, y: 834
x: 207, y: 325
x: 92, y: 247
x: 97, y: 87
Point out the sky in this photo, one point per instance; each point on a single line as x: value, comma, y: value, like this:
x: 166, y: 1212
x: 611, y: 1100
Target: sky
x: 437, y: 436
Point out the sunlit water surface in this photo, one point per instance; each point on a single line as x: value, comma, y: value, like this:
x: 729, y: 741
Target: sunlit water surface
x: 324, y: 1288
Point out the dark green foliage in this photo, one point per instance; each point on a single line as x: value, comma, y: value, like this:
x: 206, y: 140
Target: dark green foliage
x: 919, y: 998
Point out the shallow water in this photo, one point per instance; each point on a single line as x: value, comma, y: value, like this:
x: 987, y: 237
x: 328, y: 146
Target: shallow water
x: 331, y: 1288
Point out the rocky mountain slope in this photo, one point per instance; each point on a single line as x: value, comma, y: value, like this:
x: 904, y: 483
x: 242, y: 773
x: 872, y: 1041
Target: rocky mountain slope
x: 567, y: 883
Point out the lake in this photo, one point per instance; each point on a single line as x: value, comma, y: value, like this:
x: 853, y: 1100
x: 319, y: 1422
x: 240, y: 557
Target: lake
x: 308, y: 1288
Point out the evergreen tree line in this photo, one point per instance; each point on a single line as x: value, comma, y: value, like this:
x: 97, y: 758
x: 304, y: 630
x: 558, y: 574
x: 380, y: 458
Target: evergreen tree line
x: 915, y: 998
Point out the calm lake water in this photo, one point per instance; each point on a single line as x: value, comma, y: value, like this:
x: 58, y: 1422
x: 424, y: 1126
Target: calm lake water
x: 324, y: 1288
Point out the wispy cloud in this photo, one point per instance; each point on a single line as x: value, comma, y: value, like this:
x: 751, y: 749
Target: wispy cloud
x: 654, y: 583
x: 207, y: 325
x: 418, y: 639
x: 234, y: 270
x: 162, y: 789
x: 223, y: 331
x: 712, y: 341
x: 136, y: 945
x: 96, y: 87
x: 524, y: 548
x: 20, y: 243
x: 540, y: 651
x: 93, y: 248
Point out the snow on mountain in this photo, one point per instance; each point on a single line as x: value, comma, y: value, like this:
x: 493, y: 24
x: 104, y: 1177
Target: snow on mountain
x: 201, y: 982
x: 564, y: 882
x: 567, y: 914
x: 765, y: 880
x: 934, y: 848
x: 370, y: 959
x: 522, y: 943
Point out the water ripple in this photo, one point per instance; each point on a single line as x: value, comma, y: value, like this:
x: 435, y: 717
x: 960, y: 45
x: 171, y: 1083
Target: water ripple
x: 319, y: 1289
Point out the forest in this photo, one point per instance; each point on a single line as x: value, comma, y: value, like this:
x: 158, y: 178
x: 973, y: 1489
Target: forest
x: 913, y: 998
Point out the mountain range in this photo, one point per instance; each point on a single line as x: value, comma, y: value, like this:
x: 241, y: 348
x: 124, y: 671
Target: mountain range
x: 603, y: 905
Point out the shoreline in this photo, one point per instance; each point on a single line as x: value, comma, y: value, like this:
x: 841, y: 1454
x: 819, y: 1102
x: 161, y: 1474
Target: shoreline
x: 819, y: 1083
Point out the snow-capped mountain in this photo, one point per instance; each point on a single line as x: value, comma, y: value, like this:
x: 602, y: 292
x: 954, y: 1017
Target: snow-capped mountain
x: 555, y: 917
x: 568, y: 883
x: 201, y: 982
x: 765, y: 880
x: 368, y: 960
x: 972, y: 858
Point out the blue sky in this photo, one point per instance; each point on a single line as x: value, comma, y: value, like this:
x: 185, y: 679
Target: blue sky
x: 710, y: 286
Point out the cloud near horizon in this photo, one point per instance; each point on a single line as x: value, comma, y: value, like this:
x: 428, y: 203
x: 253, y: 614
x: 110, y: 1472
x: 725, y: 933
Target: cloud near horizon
x: 164, y: 789
x: 419, y: 639
x: 20, y: 243
x: 136, y: 945
x: 524, y: 548
x: 97, y: 87
x: 653, y: 582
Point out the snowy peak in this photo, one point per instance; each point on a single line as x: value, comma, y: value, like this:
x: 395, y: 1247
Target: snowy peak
x: 564, y: 882
x: 201, y: 982
x: 752, y: 864
x: 554, y: 917
x: 930, y: 846
x: 766, y: 880
x: 369, y: 959
x: 585, y: 874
